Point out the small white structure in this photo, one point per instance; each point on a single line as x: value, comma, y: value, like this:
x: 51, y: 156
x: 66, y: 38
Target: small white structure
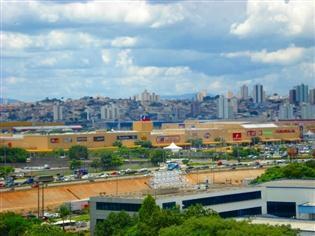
x: 173, y: 147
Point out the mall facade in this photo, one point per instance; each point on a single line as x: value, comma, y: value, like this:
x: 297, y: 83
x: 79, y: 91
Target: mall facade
x: 211, y: 133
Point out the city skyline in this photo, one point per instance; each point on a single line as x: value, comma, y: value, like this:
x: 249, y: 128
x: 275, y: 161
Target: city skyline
x: 53, y: 49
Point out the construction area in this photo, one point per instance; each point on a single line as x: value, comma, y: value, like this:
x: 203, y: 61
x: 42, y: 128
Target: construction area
x: 26, y: 200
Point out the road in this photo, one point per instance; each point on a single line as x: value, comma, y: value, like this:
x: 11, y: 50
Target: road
x: 25, y: 200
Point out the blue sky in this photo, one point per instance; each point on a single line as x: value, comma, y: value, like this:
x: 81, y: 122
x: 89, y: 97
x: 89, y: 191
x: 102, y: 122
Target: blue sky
x: 119, y: 48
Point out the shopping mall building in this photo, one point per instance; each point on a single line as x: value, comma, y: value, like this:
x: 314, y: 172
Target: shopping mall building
x: 211, y: 133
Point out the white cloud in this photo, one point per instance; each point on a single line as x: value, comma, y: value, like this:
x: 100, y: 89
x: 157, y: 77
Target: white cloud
x: 138, y: 12
x: 106, y: 56
x: 13, y: 80
x: 14, y: 40
x: 289, y: 18
x: 286, y: 56
x: 124, y: 42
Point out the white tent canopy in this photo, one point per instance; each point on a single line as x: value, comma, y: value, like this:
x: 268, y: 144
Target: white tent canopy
x: 173, y: 147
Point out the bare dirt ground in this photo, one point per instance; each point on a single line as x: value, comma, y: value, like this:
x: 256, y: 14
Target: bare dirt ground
x: 26, y: 200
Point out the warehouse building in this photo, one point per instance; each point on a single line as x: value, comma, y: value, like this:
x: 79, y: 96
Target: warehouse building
x: 283, y: 198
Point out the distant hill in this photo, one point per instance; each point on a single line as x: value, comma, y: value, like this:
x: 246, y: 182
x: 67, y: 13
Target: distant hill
x: 8, y: 101
x: 185, y: 96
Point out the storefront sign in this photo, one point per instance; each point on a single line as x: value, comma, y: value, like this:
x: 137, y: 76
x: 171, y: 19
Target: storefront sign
x: 237, y: 136
x: 54, y: 140
x: 254, y: 133
x: 81, y: 139
x: 98, y: 138
x: 127, y: 137
x: 285, y: 131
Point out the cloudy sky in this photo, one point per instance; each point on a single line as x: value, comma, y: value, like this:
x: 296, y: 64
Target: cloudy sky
x: 119, y: 48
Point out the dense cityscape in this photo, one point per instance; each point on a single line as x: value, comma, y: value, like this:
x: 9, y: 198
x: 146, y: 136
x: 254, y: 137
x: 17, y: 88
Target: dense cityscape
x: 157, y: 118
x: 96, y: 111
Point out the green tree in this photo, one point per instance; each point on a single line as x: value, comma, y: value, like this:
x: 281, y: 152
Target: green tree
x: 13, y: 224
x: 45, y: 229
x: 255, y: 140
x: 114, y: 224
x: 96, y: 163
x: 198, y: 211
x: 197, y: 143
x: 108, y: 161
x: 5, y: 171
x: 12, y: 155
x: 310, y: 163
x: 78, y: 152
x: 117, y: 143
x: 157, y: 156
x: 144, y: 143
x: 64, y: 212
x: 75, y: 164
x: 214, y: 225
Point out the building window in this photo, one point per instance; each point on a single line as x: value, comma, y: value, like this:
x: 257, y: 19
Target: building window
x: 242, y: 212
x: 169, y: 205
x: 281, y: 209
x: 223, y: 199
x: 81, y: 139
x: 115, y: 206
x: 98, y: 138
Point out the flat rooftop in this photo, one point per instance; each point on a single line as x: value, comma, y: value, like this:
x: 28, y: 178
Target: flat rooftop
x: 171, y: 192
x: 291, y: 183
x: 252, y: 126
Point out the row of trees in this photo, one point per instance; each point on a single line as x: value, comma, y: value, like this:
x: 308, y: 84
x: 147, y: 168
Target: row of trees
x: 291, y: 171
x: 12, y: 224
x: 195, y: 221
x: 11, y: 155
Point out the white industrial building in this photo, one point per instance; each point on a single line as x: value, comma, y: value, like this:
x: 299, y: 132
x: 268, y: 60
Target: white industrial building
x: 284, y: 198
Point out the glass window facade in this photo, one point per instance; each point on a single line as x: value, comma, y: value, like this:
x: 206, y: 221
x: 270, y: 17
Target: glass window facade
x: 241, y: 212
x: 168, y: 205
x: 281, y: 209
x: 115, y: 206
x: 223, y: 199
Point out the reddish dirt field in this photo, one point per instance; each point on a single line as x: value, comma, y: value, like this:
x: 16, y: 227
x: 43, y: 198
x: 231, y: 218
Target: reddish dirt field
x: 26, y: 200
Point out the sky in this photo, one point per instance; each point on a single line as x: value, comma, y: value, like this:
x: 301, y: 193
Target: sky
x: 74, y: 48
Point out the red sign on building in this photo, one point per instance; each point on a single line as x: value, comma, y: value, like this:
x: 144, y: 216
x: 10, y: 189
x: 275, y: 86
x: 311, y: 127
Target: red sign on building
x: 237, y: 136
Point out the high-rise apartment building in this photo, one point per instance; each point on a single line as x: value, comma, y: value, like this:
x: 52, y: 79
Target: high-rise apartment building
x: 58, y: 112
x: 200, y: 96
x: 286, y: 112
x: 234, y: 104
x: 292, y: 96
x: 223, y: 108
x: 307, y: 111
x: 145, y: 96
x: 301, y: 93
x: 311, y: 96
x: 244, y: 92
x: 110, y: 112
x: 258, y: 93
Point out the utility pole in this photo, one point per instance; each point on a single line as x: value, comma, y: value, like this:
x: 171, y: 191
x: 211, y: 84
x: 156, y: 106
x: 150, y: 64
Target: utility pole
x: 38, y: 201
x: 43, y: 199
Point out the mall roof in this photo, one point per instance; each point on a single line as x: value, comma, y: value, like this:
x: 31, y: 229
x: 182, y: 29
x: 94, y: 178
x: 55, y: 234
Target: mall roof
x: 46, y: 127
x: 252, y: 126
